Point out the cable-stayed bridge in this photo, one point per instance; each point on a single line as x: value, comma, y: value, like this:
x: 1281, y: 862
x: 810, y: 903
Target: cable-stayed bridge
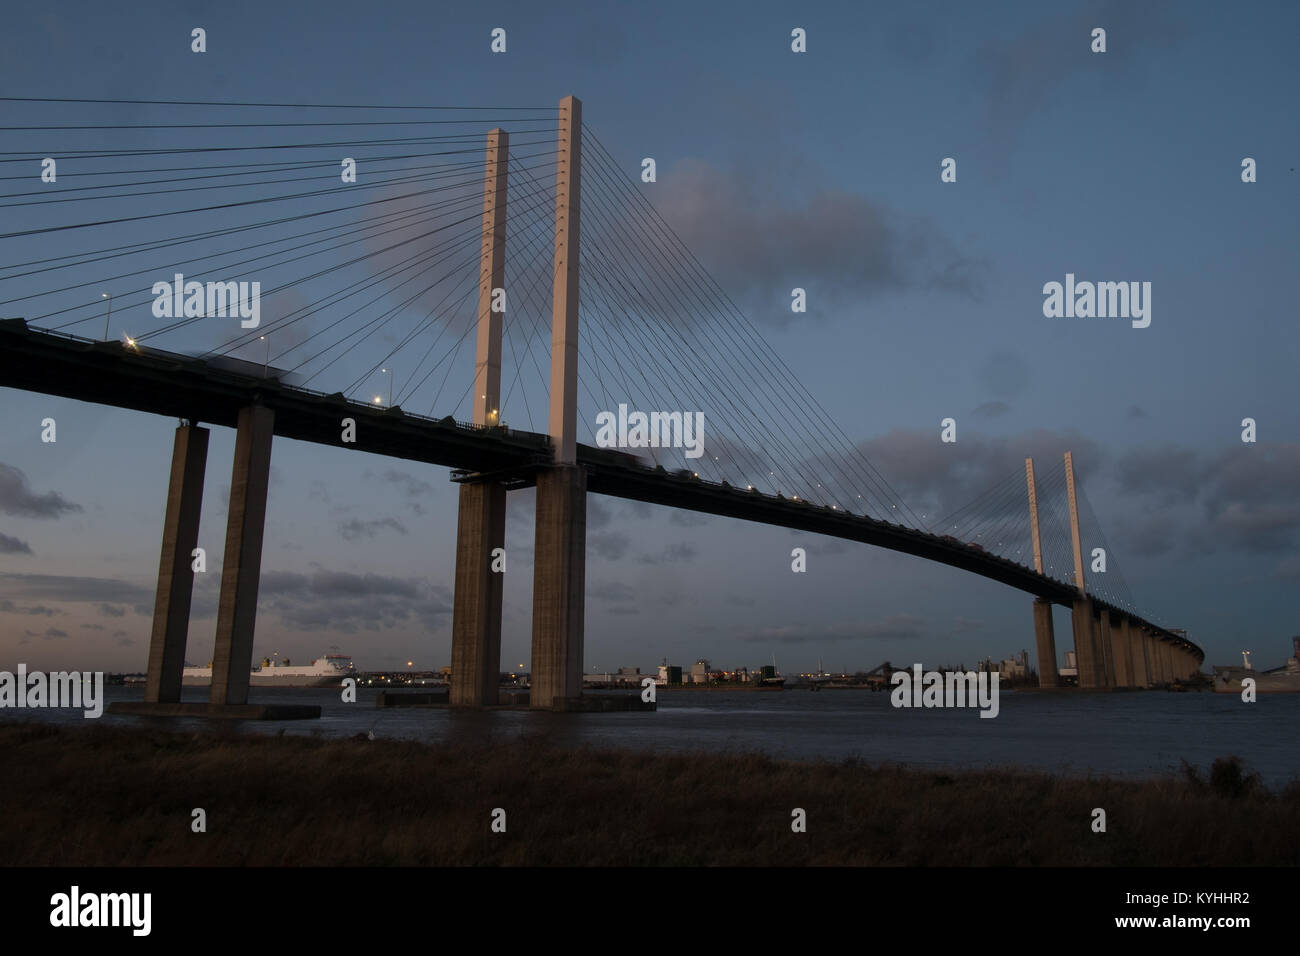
x: 391, y: 244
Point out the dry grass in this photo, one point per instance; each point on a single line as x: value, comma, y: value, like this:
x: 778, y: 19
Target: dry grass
x: 124, y: 796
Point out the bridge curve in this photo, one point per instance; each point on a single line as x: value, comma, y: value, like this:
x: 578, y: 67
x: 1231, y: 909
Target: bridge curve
x: 181, y: 386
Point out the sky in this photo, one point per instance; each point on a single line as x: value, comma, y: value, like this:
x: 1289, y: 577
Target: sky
x: 817, y: 170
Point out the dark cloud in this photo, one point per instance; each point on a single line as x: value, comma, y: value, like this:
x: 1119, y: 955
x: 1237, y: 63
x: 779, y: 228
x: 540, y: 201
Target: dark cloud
x: 673, y: 554
x: 1023, y: 71
x: 897, y: 627
x: 760, y: 240
x: 611, y: 592
x: 1167, y: 472
x: 1135, y: 412
x: 688, y: 519
x: 56, y: 587
x: 17, y: 499
x: 346, y: 602
x: 10, y: 545
x: 54, y: 634
x: 355, y: 528
x: 9, y: 607
x: 599, y: 515
x: 1246, y: 497
x: 93, y: 627
x: 611, y: 545
x: 412, y: 486
x: 936, y: 478
x: 112, y: 610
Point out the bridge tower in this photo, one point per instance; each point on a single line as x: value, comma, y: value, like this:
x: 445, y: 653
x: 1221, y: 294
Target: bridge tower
x: 559, y: 575
x: 171, y: 608
x: 481, y: 527
x: 1044, y: 636
x: 1087, y: 639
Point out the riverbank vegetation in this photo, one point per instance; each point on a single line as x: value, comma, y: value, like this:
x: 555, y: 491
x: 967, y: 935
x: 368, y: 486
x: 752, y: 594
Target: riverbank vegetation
x: 110, y: 796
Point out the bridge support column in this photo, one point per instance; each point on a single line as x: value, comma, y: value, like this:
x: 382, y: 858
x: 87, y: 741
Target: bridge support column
x: 232, y: 658
x: 1122, y: 638
x: 476, y: 614
x: 1106, y: 649
x: 1045, y: 642
x: 1162, y: 662
x: 1085, y: 646
x: 171, y: 607
x: 559, y: 584
x: 1138, y: 642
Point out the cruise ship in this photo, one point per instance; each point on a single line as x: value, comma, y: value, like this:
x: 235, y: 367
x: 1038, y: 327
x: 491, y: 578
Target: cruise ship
x: 327, y: 671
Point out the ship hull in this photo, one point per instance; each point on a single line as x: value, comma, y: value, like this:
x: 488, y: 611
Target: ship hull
x: 1227, y: 680
x: 257, y: 680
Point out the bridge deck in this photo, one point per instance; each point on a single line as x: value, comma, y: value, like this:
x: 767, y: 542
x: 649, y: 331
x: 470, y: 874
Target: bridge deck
x: 180, y: 386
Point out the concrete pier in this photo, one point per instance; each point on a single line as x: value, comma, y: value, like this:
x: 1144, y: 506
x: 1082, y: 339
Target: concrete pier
x: 1083, y: 621
x: 476, y: 614
x: 559, y: 584
x: 1122, y: 638
x: 171, y: 608
x: 232, y: 657
x: 1045, y: 643
x: 1106, y: 649
x: 1141, y: 669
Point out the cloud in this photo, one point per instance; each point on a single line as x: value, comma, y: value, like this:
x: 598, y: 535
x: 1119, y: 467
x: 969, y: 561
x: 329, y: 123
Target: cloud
x: 355, y: 528
x: 346, y: 602
x: 759, y: 239
x: 412, y: 486
x: 10, y: 545
x: 17, y: 499
x: 672, y: 554
x: 897, y: 627
x: 54, y: 634
x: 93, y: 627
x: 610, y: 545
x: 9, y: 607
x: 936, y: 478
x: 56, y: 587
x: 688, y: 519
x: 611, y: 592
x: 1135, y: 412
x: 599, y: 515
x: 1023, y: 71
x: 1246, y: 497
x: 112, y: 610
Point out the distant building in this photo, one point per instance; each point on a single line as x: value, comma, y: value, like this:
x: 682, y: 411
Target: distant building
x: 669, y: 674
x: 1017, y: 668
x: 1071, y: 668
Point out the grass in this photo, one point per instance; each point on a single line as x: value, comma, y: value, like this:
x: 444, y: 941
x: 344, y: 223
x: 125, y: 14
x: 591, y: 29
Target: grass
x: 109, y: 796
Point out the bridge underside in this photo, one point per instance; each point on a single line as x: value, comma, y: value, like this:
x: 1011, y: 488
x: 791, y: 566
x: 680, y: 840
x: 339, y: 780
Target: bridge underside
x: 189, y: 388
